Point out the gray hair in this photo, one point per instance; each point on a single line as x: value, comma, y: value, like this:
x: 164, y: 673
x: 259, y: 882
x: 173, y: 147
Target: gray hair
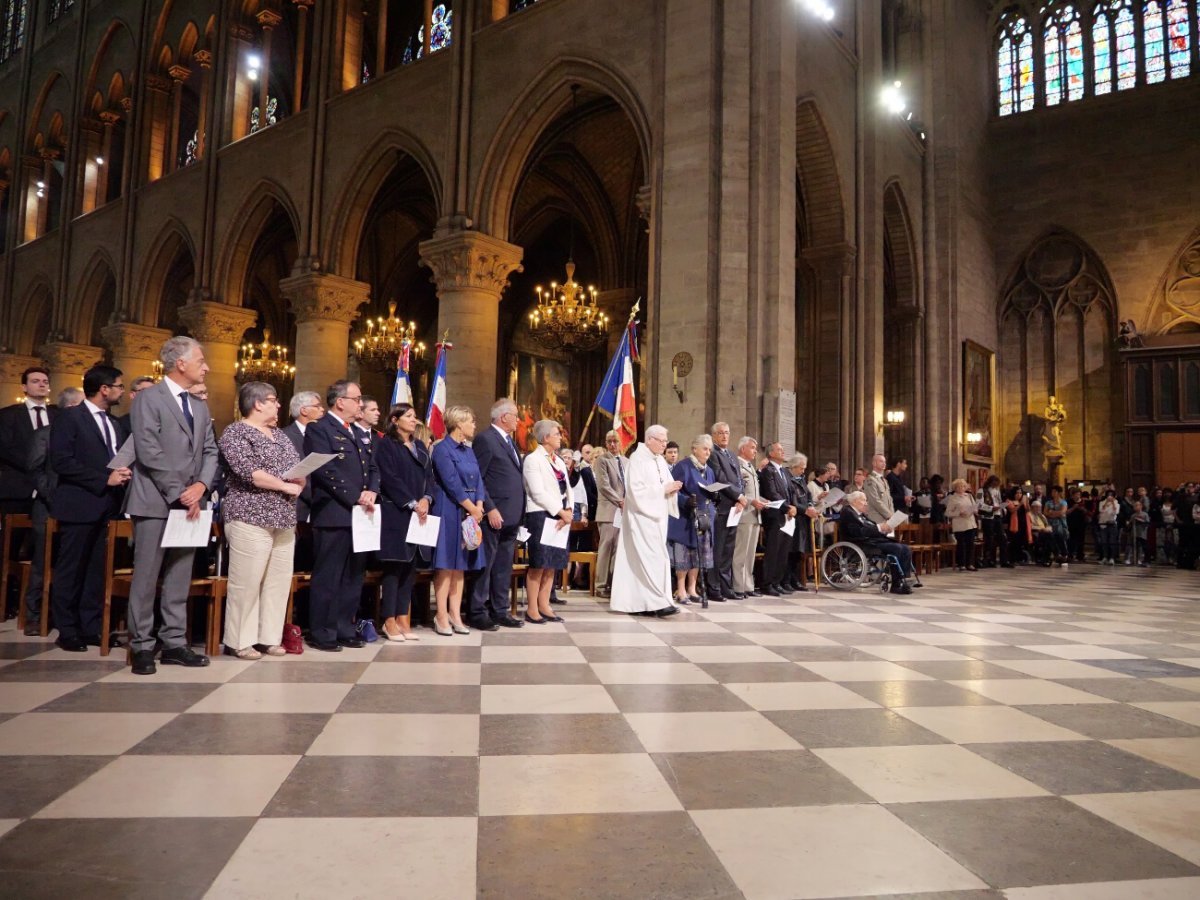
x: 702, y: 440
x: 717, y: 425
x: 612, y: 434
x: 176, y: 348
x: 657, y: 431
x: 68, y: 397
x: 746, y: 441
x: 337, y: 391
x: 798, y: 458
x: 301, y: 400
x: 543, y: 428
x: 252, y: 393
x: 501, y: 406
x: 855, y: 496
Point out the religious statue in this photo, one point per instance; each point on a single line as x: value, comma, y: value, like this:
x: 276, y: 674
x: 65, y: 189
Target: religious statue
x: 1053, y: 453
x: 1128, y: 334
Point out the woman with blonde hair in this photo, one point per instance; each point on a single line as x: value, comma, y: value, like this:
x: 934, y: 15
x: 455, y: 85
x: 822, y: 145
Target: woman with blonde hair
x: 548, y: 496
x: 961, y: 508
x: 459, y: 494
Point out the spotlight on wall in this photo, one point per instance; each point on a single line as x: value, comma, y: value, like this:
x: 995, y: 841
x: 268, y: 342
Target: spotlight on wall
x: 819, y: 8
x: 254, y: 63
x: 40, y: 185
x: 99, y: 160
x: 252, y: 74
x: 893, y: 99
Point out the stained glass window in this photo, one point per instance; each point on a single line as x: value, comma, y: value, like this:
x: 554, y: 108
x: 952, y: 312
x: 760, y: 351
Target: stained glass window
x: 12, y: 26
x: 1052, y: 63
x: 1152, y: 37
x: 518, y: 5
x: 439, y: 33
x: 1101, y: 50
x: 1126, y: 39
x: 415, y: 48
x: 1025, y: 68
x: 1179, y: 43
x: 1014, y: 64
x: 1062, y: 48
x: 1074, y: 57
x: 58, y: 7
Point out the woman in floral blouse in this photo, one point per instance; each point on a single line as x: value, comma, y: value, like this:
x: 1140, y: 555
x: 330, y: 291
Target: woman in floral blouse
x: 260, y: 523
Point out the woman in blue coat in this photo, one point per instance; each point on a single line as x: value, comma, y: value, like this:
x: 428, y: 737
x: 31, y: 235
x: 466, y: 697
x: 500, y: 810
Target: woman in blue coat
x: 405, y: 489
x: 690, y: 550
x: 459, y: 493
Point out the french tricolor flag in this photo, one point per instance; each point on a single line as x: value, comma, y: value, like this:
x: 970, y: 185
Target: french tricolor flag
x: 437, y: 397
x: 402, y: 391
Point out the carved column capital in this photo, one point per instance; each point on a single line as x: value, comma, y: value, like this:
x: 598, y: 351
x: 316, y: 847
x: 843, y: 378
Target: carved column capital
x: 130, y: 339
x: 216, y: 323
x: 268, y: 18
x: 11, y: 367
x: 203, y: 58
x: 322, y: 297
x: 65, y: 357
x: 179, y: 73
x: 471, y: 259
x: 157, y: 83
x: 109, y: 117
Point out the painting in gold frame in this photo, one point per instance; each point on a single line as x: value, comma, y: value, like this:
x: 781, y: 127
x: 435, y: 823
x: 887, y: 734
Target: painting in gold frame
x: 979, y: 403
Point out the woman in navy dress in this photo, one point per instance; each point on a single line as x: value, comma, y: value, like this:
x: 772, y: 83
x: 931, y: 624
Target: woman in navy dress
x: 405, y: 489
x: 690, y: 551
x: 459, y: 493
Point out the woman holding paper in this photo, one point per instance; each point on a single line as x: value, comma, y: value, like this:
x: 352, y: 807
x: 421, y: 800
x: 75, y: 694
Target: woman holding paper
x: 459, y: 494
x: 549, y: 509
x: 961, y: 508
x: 691, y: 547
x: 260, y: 523
x: 405, y: 492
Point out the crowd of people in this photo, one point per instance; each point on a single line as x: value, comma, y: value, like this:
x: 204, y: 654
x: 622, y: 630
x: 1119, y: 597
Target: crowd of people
x: 671, y: 527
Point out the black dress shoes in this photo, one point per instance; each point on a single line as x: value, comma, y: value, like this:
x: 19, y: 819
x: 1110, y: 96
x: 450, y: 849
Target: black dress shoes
x: 784, y: 590
x: 353, y: 643
x: 510, y: 622
x: 92, y: 640
x: 558, y: 601
x: 755, y: 593
x: 72, y: 645
x: 489, y: 625
x: 769, y: 592
x: 183, y: 656
x: 32, y: 629
x: 325, y: 646
x: 728, y: 595
x: 143, y: 662
x: 530, y: 619
x: 667, y: 611
x: 716, y: 598
x: 902, y: 588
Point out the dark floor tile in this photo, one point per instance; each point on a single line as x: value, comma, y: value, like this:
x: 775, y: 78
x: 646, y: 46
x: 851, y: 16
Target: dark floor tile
x: 1112, y: 721
x: 852, y: 728
x: 960, y: 669
x: 378, y: 786
x: 1001, y: 651
x: 60, y: 670
x: 916, y: 693
x: 257, y: 734
x: 526, y: 637
x: 425, y: 698
x: 22, y: 649
x: 542, y: 673
x: 631, y: 654
x: 1128, y: 690
x: 738, y: 673
x: 269, y: 671
x: 635, y: 698
x: 32, y: 782
x: 825, y: 654
x: 690, y: 639
x: 1040, y: 840
x: 521, y: 735
x: 756, y: 779
x: 122, y: 698
x: 619, y: 857
x: 1084, y: 767
x: 122, y: 859
x: 1140, y: 668
x: 426, y: 650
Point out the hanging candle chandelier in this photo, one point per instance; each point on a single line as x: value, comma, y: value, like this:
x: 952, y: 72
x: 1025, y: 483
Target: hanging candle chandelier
x: 264, y: 362
x: 383, y: 340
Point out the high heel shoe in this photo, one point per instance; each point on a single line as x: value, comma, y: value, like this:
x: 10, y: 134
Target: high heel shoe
x: 437, y: 630
x: 459, y: 629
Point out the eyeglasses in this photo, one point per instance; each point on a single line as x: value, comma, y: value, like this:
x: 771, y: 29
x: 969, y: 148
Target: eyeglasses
x: 357, y: 399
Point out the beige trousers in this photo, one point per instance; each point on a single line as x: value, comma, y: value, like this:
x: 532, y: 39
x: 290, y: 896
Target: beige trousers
x: 605, y: 554
x: 260, y: 576
x: 744, y: 549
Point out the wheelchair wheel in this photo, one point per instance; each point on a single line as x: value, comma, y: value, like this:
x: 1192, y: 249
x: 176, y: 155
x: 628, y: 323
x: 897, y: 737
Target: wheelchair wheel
x: 844, y: 566
x: 885, y: 581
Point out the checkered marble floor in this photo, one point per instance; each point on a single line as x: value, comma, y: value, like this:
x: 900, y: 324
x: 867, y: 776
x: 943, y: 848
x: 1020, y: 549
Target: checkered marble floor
x: 1033, y: 734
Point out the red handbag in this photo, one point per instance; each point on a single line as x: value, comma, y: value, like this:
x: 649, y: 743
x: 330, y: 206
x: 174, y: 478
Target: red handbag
x: 292, y: 641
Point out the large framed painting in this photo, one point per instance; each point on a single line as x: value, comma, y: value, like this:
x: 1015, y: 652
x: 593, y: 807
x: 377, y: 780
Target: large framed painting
x: 978, y: 395
x: 541, y: 389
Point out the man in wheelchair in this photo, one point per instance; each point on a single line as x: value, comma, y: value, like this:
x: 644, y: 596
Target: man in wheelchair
x: 855, y: 527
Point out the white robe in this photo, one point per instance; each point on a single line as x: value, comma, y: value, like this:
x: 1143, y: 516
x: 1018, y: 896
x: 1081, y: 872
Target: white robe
x: 641, y: 579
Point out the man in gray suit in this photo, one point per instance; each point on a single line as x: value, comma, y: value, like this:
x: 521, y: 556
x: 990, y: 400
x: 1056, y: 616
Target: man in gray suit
x: 175, y: 468
x: 879, y: 493
x: 609, y: 469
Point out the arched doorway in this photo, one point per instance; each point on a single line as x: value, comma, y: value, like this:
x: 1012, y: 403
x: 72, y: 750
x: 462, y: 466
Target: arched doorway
x: 271, y: 258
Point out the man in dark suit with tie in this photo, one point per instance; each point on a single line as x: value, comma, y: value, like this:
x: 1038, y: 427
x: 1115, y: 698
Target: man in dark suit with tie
x: 175, y: 469
x: 500, y: 465
x: 725, y: 469
x: 17, y: 485
x: 349, y: 480
x: 305, y: 409
x: 82, y: 443
x: 775, y: 485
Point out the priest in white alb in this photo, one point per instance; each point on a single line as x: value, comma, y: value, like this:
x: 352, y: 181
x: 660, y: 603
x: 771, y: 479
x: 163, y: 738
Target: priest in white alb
x: 641, y: 581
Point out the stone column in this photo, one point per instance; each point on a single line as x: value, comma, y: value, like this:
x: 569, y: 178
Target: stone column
x: 179, y: 75
x: 269, y: 20
x: 134, y: 347
x: 324, y: 306
x: 11, y: 367
x: 471, y: 270
x: 204, y: 59
x: 302, y: 7
x: 67, y: 362
x: 219, y: 327
x: 835, y: 387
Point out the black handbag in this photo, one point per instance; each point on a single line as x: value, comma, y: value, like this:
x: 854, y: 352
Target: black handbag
x: 703, y: 521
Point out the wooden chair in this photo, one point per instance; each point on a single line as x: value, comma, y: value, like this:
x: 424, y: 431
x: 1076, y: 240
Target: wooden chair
x: 923, y: 554
x: 9, y: 525
x: 946, y: 544
x: 117, y: 582
x: 582, y: 557
x: 47, y: 556
x: 927, y: 543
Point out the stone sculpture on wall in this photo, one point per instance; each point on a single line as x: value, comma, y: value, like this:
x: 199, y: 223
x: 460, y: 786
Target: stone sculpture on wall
x: 1054, y: 455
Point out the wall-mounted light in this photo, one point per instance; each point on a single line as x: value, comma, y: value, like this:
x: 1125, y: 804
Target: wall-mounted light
x: 254, y: 62
x: 819, y: 8
x: 891, y: 419
x: 99, y: 160
x: 893, y: 99
x: 41, y: 185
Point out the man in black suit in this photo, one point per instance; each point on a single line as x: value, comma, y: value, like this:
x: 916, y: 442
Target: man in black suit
x: 774, y: 485
x: 500, y: 465
x: 352, y: 479
x: 305, y: 409
x: 725, y: 469
x: 366, y: 423
x: 82, y: 443
x: 854, y: 526
x: 17, y: 425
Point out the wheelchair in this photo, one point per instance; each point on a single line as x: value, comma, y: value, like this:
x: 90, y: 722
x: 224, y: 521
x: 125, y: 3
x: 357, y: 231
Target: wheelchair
x: 847, y: 567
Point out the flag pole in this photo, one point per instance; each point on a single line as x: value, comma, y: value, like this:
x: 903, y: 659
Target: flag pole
x: 632, y: 316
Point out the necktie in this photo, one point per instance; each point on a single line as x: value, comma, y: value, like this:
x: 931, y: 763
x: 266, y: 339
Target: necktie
x: 513, y: 448
x: 40, y: 413
x: 187, y: 410
x: 107, y: 435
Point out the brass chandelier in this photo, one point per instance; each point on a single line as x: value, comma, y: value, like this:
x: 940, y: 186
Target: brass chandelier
x: 264, y: 362
x: 568, y: 316
x: 381, y: 345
